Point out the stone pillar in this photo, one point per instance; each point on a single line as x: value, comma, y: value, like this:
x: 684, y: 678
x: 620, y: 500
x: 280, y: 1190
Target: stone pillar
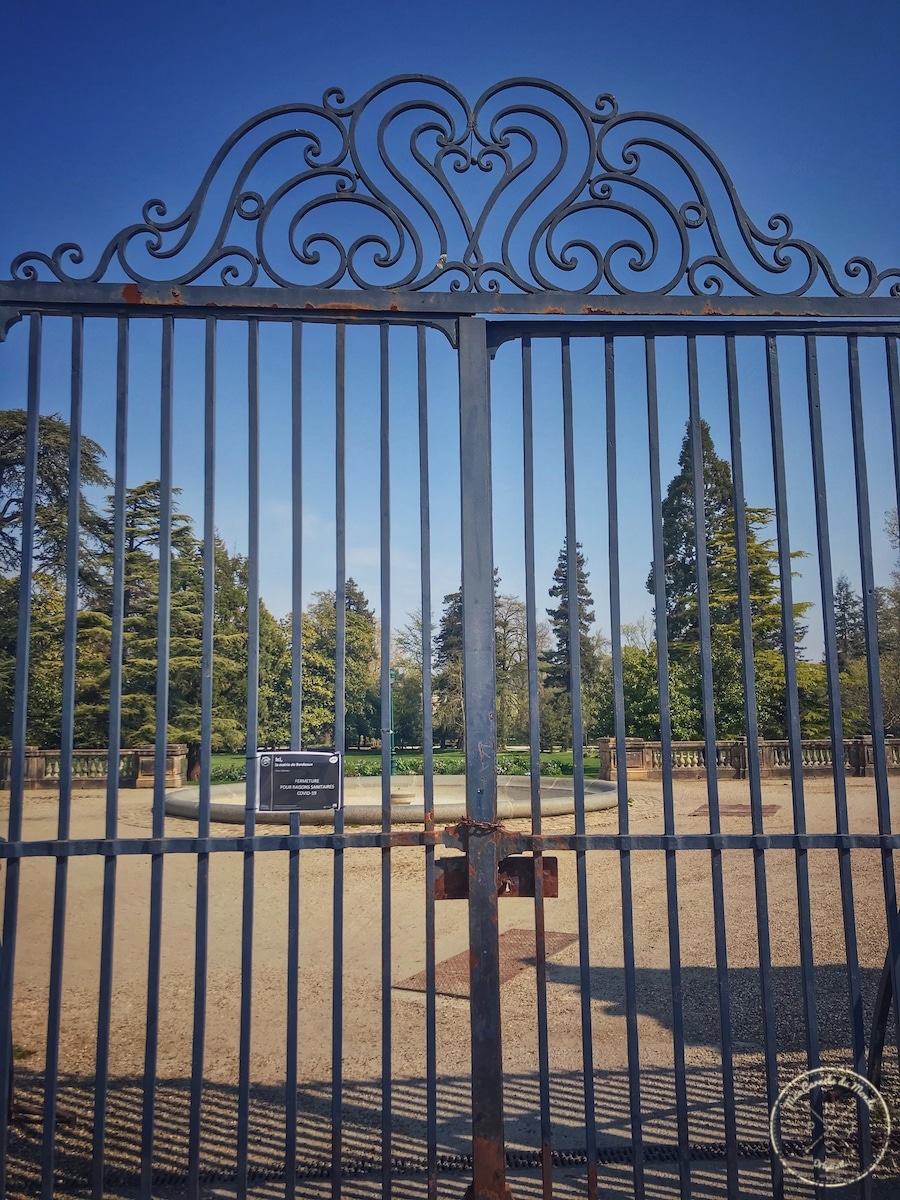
x: 606, y: 753
x: 35, y: 763
x: 637, y: 759
x: 858, y: 756
x: 738, y: 758
x: 176, y: 765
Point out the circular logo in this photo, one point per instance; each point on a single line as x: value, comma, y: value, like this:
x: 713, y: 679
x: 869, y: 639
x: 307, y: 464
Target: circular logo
x: 265, y: 760
x: 333, y: 758
x: 830, y: 1127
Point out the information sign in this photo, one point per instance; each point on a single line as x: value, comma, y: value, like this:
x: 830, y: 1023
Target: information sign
x: 299, y: 780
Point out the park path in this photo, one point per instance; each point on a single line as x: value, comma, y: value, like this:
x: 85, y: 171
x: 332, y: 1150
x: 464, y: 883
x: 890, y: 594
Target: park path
x: 362, y: 990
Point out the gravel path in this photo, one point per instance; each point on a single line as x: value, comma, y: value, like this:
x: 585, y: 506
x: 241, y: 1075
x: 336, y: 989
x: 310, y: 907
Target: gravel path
x: 362, y: 993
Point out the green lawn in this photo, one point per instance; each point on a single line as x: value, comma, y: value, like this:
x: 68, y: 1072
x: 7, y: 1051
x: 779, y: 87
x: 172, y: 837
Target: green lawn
x: 228, y: 767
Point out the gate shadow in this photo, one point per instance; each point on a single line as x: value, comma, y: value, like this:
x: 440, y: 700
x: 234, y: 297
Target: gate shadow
x: 361, y: 1109
x: 701, y: 1002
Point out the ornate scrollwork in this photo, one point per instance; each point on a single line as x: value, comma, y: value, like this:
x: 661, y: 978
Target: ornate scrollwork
x: 526, y: 191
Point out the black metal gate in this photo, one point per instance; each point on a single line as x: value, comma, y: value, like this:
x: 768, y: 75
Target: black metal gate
x: 598, y: 275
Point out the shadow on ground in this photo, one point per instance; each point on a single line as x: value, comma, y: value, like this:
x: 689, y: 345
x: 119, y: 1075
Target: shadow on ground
x: 701, y: 1001
x: 361, y: 1111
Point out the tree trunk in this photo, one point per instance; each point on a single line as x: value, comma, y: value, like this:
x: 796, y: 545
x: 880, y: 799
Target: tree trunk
x: 193, y: 760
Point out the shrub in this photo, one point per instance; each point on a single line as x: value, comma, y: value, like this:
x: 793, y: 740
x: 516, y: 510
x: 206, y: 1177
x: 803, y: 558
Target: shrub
x: 408, y: 766
x: 513, y: 764
x: 449, y: 766
x: 228, y: 773
x: 362, y: 766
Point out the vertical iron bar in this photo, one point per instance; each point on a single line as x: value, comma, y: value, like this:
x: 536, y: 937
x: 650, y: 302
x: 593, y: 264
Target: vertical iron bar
x: 19, y: 731
x: 893, y: 372
x: 296, y: 533
x: 293, y: 949
x: 615, y: 622
x: 104, y: 1006
x: 201, y: 941
x: 67, y: 735
x: 876, y: 706
x: 787, y: 609
x: 665, y: 733
x: 534, y: 739
x: 479, y: 682
x: 387, y: 747
x: 836, y: 729
x: 748, y: 669
x: 427, y: 767
x: 574, y: 648
x: 572, y: 604
x: 159, y: 764
x: 293, y: 1002
x: 712, y: 787
x: 340, y: 668
x: 243, y: 1129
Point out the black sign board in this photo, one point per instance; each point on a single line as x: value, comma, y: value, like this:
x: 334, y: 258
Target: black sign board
x: 299, y: 780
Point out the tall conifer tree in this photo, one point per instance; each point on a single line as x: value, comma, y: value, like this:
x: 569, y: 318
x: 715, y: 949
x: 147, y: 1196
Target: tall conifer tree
x: 558, y: 659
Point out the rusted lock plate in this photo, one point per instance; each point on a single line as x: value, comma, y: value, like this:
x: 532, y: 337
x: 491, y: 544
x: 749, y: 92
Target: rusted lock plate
x: 515, y: 877
x: 451, y: 878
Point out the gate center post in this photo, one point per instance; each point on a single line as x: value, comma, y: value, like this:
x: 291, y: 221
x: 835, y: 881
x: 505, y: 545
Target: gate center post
x: 479, y: 690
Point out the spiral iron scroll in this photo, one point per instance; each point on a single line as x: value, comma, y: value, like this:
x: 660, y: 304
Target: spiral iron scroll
x: 384, y: 193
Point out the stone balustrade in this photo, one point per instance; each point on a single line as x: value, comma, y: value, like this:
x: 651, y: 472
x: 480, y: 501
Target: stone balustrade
x: 42, y: 767
x: 644, y: 760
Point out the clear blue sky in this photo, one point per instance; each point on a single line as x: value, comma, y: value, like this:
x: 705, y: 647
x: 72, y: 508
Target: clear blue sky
x: 107, y: 104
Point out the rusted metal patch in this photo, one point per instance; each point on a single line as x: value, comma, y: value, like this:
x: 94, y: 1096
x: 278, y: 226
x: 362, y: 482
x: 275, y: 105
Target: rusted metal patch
x: 515, y: 877
x: 494, y: 1187
x: 517, y: 953
x: 451, y: 878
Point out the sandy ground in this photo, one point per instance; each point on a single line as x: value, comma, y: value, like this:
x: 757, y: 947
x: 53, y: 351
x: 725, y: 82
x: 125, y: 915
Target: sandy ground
x: 363, y: 1013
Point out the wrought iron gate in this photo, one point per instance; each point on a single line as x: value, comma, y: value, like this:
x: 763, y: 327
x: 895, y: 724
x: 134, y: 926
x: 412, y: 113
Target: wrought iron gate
x: 574, y: 245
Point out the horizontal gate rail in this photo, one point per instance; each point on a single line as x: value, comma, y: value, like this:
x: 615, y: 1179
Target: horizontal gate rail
x: 94, y: 299
x: 511, y: 843
x: 631, y: 322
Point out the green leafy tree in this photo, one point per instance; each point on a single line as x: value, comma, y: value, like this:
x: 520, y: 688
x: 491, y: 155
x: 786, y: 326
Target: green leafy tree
x: 848, y: 623
x: 511, y: 637
x: 449, y: 707
x: 407, y: 683
x: 556, y: 715
x: 274, y: 680
x: 558, y: 658
x: 51, y: 497
x: 682, y: 602
x: 854, y: 684
x: 680, y: 556
x: 143, y: 524
x: 317, y: 693
x: 680, y: 563
x: 362, y: 715
x: 511, y: 662
x: 45, y: 658
x: 449, y: 695
x: 641, y: 690
x: 887, y: 601
x: 641, y: 694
